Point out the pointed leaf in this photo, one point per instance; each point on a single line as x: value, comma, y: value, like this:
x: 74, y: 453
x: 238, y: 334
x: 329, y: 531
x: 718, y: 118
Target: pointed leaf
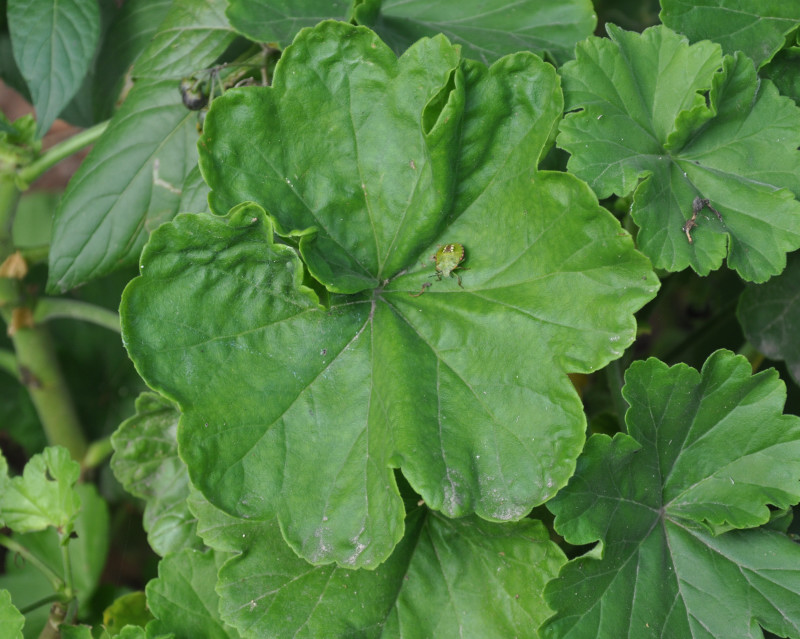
x: 44, y: 495
x: 446, y: 578
x: 756, y: 27
x: 53, y: 44
x: 705, y: 452
x: 440, y: 385
x: 701, y: 127
x: 770, y: 314
x: 146, y: 463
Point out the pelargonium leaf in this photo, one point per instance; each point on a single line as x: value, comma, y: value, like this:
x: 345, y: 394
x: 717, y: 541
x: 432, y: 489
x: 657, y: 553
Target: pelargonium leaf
x: 705, y: 452
x: 756, y: 27
x: 434, y: 584
x: 10, y: 618
x: 272, y: 384
x: 702, y: 126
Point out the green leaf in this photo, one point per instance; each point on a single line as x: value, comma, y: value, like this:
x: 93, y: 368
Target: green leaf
x: 671, y: 123
x: 486, y: 30
x: 756, y: 27
x: 195, y: 193
x: 183, y: 598
x: 53, y: 44
x: 127, y: 610
x: 770, y: 314
x: 131, y: 181
x: 44, y: 495
x: 146, y: 463
x: 704, y: 452
x: 271, y: 384
x: 11, y: 619
x: 784, y: 71
x: 447, y: 577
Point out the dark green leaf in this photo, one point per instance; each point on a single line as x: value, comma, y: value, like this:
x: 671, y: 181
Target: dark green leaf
x: 757, y: 27
x: 278, y: 21
x: 705, y: 452
x: 53, y: 43
x: 701, y: 127
x: 447, y: 577
x: 770, y: 315
x: 146, y: 462
x: 441, y: 385
x: 784, y: 71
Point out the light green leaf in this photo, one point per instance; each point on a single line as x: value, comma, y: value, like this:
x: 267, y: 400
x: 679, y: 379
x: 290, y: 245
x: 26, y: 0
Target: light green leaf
x: 43, y: 495
x: 757, y: 27
x: 11, y: 619
x: 183, y: 598
x: 194, y: 198
x: 486, y: 30
x: 705, y: 452
x: 146, y: 463
x: 53, y: 44
x: 272, y: 384
x: 770, y: 314
x: 446, y: 578
x: 671, y: 123
x: 129, y: 610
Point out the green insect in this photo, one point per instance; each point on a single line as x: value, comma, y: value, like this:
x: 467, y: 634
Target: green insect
x: 447, y: 258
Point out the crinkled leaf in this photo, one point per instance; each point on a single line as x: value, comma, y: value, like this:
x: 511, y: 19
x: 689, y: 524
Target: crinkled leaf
x: 446, y: 577
x: 757, y: 27
x: 487, y: 30
x: 146, y: 463
x: 770, y: 315
x: 270, y: 384
x: 784, y: 71
x: 673, y: 122
x: 11, y: 619
x: 53, y: 44
x: 183, y: 598
x: 705, y: 452
x: 192, y: 36
x: 131, y: 181
x: 44, y: 495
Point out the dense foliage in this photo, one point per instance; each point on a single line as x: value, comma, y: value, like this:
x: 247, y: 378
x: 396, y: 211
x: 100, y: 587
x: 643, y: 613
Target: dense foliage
x: 435, y: 326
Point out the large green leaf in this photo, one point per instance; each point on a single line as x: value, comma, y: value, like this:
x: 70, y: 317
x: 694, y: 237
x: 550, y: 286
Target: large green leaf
x: 146, y: 463
x: 770, y: 314
x: 464, y: 388
x: 757, y: 27
x: 446, y: 578
x: 705, y: 452
x: 487, y: 30
x: 673, y: 122
x: 53, y: 44
x: 131, y: 181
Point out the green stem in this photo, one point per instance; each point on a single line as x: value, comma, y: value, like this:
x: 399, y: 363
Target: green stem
x: 97, y: 453
x: 48, y: 308
x: 38, y: 604
x: 9, y: 196
x: 55, y: 581
x: 8, y: 363
x: 41, y: 375
x: 615, y: 379
x: 64, y: 149
x: 753, y: 355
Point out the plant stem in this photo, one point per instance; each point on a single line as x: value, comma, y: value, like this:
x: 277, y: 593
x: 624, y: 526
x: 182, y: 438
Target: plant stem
x: 55, y: 581
x: 616, y: 380
x: 64, y: 149
x: 58, y: 613
x: 8, y: 363
x: 48, y: 308
x: 41, y: 375
x: 97, y: 453
x: 9, y: 196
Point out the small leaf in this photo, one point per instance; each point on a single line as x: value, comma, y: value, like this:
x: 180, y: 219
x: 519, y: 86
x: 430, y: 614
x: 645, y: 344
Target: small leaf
x: 705, y: 452
x: 700, y: 127
x: 462, y: 577
x: 770, y: 314
x: 44, y: 495
x: 183, y: 598
x: 11, y: 619
x: 53, y: 43
x: 418, y: 152
x: 146, y: 463
x: 127, y: 609
x: 756, y: 27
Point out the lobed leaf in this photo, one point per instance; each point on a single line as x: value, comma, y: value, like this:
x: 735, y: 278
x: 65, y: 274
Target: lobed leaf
x: 271, y: 383
x: 770, y: 314
x: 11, y: 619
x: 705, y: 452
x: 434, y: 584
x: 53, y: 45
x: 756, y: 27
x: 146, y: 463
x: 699, y: 127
